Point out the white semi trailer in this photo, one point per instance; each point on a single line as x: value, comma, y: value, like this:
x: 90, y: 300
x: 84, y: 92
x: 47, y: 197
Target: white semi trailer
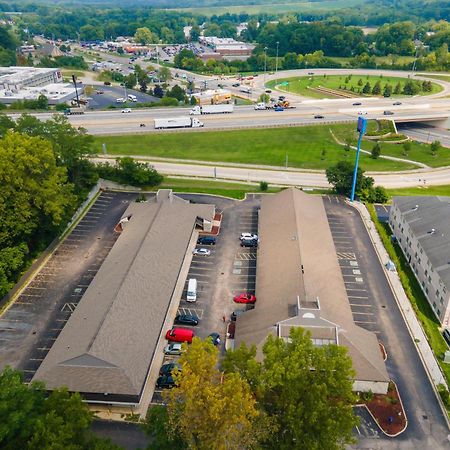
x: 212, y: 109
x: 178, y: 122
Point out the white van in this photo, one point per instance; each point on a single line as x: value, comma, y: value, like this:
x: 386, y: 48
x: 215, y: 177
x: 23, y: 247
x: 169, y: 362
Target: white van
x: 132, y: 98
x: 192, y: 290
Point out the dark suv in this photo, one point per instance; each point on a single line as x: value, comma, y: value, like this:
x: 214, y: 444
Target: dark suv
x: 249, y: 242
x: 206, y: 240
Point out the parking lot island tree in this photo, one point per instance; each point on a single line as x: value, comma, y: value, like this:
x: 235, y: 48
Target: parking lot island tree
x: 210, y: 409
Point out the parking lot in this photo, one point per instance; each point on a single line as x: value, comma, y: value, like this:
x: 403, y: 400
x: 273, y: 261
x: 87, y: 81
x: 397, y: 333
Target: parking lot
x: 30, y: 326
x: 228, y: 271
x: 111, y: 93
x: 374, y: 308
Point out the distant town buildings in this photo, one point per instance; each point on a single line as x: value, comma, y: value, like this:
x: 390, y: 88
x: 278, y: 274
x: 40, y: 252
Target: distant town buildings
x: 28, y: 83
x: 227, y: 48
x: 421, y: 226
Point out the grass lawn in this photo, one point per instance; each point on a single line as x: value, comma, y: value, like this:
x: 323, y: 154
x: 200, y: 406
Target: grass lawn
x: 436, y: 77
x: 428, y: 190
x: 303, y: 85
x: 303, y: 145
x: 417, y: 298
x: 212, y: 187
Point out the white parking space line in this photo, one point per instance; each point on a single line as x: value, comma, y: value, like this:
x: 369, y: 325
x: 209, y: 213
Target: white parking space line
x: 363, y: 313
x: 364, y: 322
x: 355, y: 289
x: 203, y: 262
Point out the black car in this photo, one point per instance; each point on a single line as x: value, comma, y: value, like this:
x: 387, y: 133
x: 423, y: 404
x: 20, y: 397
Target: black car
x: 281, y: 98
x: 357, y: 104
x: 249, y: 243
x: 319, y: 116
x: 388, y: 113
x: 186, y: 319
x: 215, y: 338
x: 166, y: 369
x: 107, y: 83
x: 206, y: 240
x: 236, y: 313
x: 165, y: 382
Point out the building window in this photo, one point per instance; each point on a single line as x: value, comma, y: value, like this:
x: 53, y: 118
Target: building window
x: 441, y: 301
x: 426, y: 290
x: 434, y: 305
x: 429, y: 278
x: 426, y: 272
x: 439, y: 312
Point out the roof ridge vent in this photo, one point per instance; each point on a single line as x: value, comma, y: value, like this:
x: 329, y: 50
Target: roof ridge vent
x: 416, y: 207
x: 432, y: 231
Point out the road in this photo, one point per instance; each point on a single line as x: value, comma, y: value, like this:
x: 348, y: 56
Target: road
x: 292, y: 177
x: 426, y: 133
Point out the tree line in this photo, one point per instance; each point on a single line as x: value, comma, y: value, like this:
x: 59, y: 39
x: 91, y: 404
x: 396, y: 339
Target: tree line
x: 46, y: 173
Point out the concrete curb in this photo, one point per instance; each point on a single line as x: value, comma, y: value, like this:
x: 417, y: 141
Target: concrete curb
x: 421, y: 343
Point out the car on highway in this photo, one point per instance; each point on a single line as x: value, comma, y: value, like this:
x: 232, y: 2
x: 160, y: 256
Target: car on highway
x: 310, y: 73
x: 173, y: 348
x: 186, y: 319
x: 248, y: 236
x: 397, y: 103
x: 215, y: 338
x: 99, y: 92
x: 201, y: 252
x: 388, y: 113
x: 120, y: 100
x: 166, y: 369
x: 126, y: 110
x: 165, y: 382
x: 107, y: 83
x: 244, y: 298
x: 362, y: 113
x: 281, y: 98
x: 319, y: 116
x: 236, y: 84
x: 357, y: 104
x: 278, y: 108
x: 268, y: 91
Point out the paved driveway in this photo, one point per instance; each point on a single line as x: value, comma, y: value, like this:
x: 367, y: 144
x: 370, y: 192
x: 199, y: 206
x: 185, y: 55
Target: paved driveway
x: 374, y: 308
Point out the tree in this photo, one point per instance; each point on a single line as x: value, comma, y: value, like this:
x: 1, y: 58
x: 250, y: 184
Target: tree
x: 195, y: 33
x: 177, y: 92
x: 435, y: 147
x: 158, y: 92
x: 164, y: 74
x: 340, y: 176
x: 305, y: 389
x: 406, y: 147
x: 398, y: 88
x: 387, y: 91
x: 209, y: 409
x: 29, y: 419
x: 376, y: 151
x: 144, y: 36
x: 376, y: 90
x: 263, y: 186
x: 366, y: 88
x: 35, y: 194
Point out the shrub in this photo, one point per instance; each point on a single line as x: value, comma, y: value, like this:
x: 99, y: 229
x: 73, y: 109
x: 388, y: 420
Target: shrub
x: 263, y: 186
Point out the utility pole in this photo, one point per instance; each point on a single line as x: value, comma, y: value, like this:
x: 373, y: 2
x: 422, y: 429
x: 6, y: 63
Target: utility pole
x: 276, y: 60
x: 361, y: 128
x: 286, y: 160
x: 265, y: 65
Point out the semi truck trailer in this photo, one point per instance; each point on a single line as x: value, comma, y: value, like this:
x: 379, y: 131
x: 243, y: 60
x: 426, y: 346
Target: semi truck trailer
x: 212, y: 109
x: 178, y: 122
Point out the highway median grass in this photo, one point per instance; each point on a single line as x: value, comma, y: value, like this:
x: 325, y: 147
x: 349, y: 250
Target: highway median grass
x: 308, y: 147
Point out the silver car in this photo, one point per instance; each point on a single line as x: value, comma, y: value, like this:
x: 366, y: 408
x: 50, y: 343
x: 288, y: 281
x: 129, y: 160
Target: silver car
x: 173, y: 349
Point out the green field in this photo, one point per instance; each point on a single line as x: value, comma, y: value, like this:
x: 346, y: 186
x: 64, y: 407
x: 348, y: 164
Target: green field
x: 274, y: 8
x: 304, y: 147
x: 436, y: 77
x: 303, y: 85
x: 428, y: 190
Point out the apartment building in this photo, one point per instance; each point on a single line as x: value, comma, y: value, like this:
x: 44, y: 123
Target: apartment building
x: 421, y: 226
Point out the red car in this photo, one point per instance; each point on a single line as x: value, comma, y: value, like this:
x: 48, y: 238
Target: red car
x: 245, y: 298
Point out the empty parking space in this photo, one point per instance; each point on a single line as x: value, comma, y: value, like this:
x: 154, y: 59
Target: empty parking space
x: 45, y: 304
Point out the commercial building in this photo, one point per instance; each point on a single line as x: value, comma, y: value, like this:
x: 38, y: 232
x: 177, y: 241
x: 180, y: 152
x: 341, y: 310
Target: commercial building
x: 228, y: 48
x: 28, y: 83
x: 113, y: 341
x: 299, y: 284
x: 421, y: 226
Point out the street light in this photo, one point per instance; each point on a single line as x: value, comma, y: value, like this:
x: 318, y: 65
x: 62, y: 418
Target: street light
x: 276, y: 60
x: 265, y: 65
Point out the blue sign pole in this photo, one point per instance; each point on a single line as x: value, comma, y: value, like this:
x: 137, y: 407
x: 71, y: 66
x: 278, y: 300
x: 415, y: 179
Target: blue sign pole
x: 361, y: 127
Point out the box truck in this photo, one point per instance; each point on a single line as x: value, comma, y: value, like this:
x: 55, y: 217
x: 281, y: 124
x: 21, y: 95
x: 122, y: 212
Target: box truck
x: 178, y: 122
x: 211, y: 109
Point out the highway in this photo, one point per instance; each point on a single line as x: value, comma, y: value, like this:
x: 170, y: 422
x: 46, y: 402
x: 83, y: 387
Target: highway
x: 116, y: 122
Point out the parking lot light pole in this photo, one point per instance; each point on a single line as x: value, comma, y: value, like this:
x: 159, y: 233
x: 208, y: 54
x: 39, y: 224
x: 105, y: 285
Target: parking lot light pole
x: 361, y: 128
x: 276, y: 59
x: 265, y: 64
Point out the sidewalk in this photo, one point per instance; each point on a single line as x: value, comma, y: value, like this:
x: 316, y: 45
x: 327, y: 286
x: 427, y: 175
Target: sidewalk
x: 417, y: 334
